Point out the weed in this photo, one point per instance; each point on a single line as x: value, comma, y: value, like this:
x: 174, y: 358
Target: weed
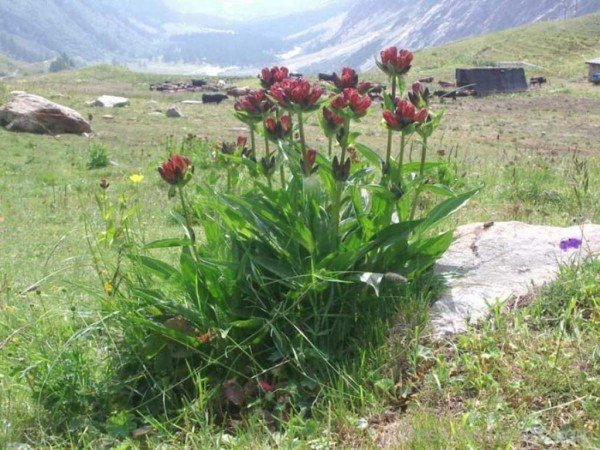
x: 98, y: 156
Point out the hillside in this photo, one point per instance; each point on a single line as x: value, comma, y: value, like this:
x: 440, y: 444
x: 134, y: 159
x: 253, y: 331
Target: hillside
x: 554, y: 49
x: 353, y: 37
x: 345, y: 32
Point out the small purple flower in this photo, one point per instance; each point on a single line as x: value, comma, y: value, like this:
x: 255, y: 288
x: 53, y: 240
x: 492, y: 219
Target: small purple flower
x: 571, y: 243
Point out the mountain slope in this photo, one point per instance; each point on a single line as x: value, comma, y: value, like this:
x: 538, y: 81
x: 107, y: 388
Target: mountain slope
x: 344, y: 32
x: 369, y: 25
x: 91, y: 30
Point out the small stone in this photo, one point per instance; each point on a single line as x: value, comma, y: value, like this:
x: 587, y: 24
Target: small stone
x: 109, y: 101
x: 174, y: 112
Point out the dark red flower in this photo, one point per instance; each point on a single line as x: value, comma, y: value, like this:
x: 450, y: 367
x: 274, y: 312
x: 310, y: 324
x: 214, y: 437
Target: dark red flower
x: 176, y: 170
x: 242, y: 141
x: 395, y: 62
x: 268, y: 77
x: 268, y: 165
x: 348, y: 80
x: 404, y: 115
x: 364, y: 87
x: 419, y: 95
x: 278, y: 129
x: 341, y: 172
x: 308, y: 163
x: 295, y: 94
x: 350, y: 98
x: 331, y: 122
x: 253, y: 106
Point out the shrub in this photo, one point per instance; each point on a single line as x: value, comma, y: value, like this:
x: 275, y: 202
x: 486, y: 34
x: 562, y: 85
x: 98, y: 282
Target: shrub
x: 62, y: 62
x: 287, y: 278
x: 97, y: 156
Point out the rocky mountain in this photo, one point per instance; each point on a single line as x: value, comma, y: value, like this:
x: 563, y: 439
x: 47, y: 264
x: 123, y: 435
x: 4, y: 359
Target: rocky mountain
x: 354, y: 36
x: 343, y: 32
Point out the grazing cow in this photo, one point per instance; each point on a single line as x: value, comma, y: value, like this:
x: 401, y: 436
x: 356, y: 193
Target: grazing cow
x: 198, y: 83
x: 445, y: 94
x: 238, y: 92
x: 327, y: 77
x: 537, y: 81
x: 296, y: 75
x: 378, y: 88
x: 446, y: 85
x: 375, y: 96
x: 426, y: 80
x: 213, y: 98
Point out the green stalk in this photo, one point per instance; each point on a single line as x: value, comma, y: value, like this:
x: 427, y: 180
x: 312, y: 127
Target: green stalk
x: 330, y: 146
x: 302, y: 137
x: 253, y: 141
x: 267, y: 152
x: 339, y: 185
x: 421, y: 172
x: 401, y: 158
x: 388, y: 155
x: 188, y: 222
x: 423, y: 156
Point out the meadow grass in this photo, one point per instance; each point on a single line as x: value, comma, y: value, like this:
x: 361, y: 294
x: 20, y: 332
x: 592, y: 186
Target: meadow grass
x: 529, y: 377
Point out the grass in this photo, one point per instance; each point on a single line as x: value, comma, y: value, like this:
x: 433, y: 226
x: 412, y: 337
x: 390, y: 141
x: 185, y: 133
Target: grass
x: 528, y: 377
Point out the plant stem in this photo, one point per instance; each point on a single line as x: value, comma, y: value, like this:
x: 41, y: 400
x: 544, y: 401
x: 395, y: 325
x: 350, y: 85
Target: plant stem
x: 401, y: 159
x: 188, y: 221
x: 423, y: 156
x: 282, y: 176
x: 421, y: 172
x: 330, y: 146
x: 339, y: 185
x: 253, y: 142
x: 388, y: 155
x: 302, y: 137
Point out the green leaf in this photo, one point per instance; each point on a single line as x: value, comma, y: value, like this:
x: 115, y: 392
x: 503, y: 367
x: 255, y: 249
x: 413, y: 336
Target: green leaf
x: 439, y: 189
x: 158, y: 267
x: 371, y: 156
x: 248, y: 324
x: 445, y: 209
x: 167, y: 243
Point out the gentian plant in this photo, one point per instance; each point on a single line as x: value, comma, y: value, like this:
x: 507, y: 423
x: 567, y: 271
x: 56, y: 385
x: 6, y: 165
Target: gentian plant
x: 286, y: 276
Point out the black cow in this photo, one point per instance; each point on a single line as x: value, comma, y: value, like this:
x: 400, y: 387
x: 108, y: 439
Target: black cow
x: 327, y: 77
x: 537, y: 81
x: 296, y: 75
x: 213, y: 98
x: 198, y: 83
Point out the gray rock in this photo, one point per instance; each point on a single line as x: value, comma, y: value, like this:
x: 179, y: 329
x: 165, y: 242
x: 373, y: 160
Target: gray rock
x: 109, y: 101
x: 503, y: 261
x: 174, y: 112
x: 34, y: 114
x: 191, y: 102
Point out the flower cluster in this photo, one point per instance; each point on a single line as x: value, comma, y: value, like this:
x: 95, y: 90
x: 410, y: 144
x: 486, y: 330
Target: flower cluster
x: 419, y: 95
x: 404, y: 115
x: 277, y: 129
x: 177, y: 170
x: 296, y: 94
x: 330, y: 122
x: 268, y: 77
x: 351, y: 103
x: 395, y: 62
x: 348, y: 80
x: 252, y: 107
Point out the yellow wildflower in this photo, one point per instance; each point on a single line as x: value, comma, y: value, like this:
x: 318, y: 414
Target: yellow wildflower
x: 136, y: 178
x: 108, y: 287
